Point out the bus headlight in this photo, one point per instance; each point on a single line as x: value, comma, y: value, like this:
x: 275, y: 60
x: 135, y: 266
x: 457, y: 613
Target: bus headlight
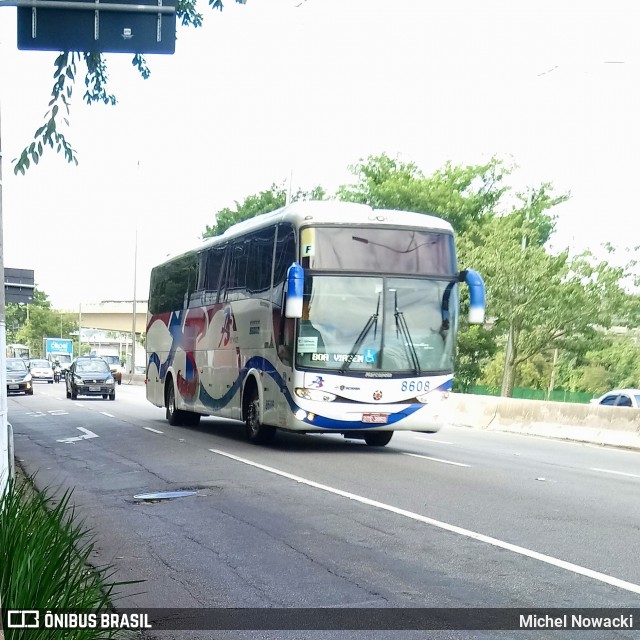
x: 314, y: 394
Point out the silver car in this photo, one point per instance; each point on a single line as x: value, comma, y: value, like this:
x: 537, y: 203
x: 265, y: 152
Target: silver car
x: 41, y: 370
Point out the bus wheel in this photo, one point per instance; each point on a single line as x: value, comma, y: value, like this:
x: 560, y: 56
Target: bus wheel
x: 173, y: 415
x: 378, y: 438
x: 191, y: 419
x: 177, y: 417
x: 257, y: 432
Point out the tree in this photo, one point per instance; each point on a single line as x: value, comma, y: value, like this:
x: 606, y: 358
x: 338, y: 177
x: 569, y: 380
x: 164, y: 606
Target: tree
x: 541, y: 301
x: 615, y: 365
x: 96, y: 79
x: 462, y: 195
x: 16, y: 314
x: 263, y: 202
x: 42, y: 322
x: 476, y: 345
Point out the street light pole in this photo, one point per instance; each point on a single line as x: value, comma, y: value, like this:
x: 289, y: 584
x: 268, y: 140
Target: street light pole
x: 133, y: 322
x: 5, y: 463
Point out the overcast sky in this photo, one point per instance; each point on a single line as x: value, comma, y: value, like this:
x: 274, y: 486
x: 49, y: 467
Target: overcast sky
x: 287, y: 87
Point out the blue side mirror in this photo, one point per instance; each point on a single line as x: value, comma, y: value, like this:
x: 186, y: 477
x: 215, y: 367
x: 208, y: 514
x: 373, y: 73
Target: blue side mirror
x: 295, y: 290
x: 476, y: 295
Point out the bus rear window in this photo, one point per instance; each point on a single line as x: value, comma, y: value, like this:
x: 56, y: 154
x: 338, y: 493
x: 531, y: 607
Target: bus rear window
x: 378, y: 250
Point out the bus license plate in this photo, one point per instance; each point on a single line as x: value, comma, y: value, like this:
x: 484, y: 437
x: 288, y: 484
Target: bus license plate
x: 375, y: 418
x: 94, y: 388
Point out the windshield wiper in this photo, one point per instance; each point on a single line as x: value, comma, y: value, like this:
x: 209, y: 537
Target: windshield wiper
x: 371, y: 322
x: 401, y: 327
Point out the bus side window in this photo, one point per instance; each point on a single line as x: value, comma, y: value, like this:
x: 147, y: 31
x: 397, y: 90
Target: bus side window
x: 285, y: 254
x: 213, y: 270
x: 237, y: 273
x: 173, y: 283
x: 259, y: 262
x: 190, y: 271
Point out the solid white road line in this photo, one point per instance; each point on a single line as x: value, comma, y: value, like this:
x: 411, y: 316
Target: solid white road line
x: 618, y: 473
x: 417, y: 455
x: 562, y: 564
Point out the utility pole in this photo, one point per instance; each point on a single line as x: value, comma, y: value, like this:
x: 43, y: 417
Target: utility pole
x: 79, y: 329
x: 133, y: 322
x: 6, y: 465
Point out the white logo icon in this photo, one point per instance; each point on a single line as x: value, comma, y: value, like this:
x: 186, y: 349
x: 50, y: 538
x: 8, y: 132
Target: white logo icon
x: 23, y: 619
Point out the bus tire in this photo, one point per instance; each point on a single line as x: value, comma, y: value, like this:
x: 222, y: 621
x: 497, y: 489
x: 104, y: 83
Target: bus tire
x: 190, y: 419
x: 173, y: 415
x: 378, y: 438
x: 257, y: 433
x: 177, y: 417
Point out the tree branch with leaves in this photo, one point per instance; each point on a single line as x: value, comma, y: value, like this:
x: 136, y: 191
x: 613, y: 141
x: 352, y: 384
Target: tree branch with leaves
x: 51, y: 134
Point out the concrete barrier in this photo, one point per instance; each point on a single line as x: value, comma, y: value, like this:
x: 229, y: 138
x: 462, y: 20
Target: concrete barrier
x: 614, y: 426
x: 136, y: 379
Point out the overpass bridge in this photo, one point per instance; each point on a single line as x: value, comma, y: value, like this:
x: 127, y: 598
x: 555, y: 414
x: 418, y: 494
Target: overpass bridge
x: 114, y: 316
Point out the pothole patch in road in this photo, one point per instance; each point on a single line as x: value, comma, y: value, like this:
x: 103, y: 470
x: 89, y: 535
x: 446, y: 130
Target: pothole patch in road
x: 163, y: 495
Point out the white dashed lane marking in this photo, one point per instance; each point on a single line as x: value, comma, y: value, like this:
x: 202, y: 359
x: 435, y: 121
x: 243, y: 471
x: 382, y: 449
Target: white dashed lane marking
x: 417, y: 455
x: 153, y: 430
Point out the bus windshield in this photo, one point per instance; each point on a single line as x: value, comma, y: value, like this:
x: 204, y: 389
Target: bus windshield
x: 378, y: 250
x: 377, y: 324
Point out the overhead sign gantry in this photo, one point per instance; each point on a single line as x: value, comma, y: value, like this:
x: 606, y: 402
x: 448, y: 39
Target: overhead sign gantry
x: 126, y: 26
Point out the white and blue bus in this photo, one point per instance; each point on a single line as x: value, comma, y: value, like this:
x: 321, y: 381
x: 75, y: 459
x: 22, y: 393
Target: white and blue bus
x: 320, y: 317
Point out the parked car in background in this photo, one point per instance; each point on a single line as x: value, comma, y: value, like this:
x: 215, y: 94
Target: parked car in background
x: 41, y: 369
x: 619, y: 398
x: 18, y: 377
x: 90, y: 376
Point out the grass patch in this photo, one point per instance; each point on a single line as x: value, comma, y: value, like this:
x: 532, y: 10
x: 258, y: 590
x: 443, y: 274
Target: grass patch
x: 44, y: 561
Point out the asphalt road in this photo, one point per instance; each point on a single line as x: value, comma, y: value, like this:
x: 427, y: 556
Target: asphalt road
x: 460, y: 519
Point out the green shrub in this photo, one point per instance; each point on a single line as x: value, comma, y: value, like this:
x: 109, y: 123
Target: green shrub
x: 44, y: 555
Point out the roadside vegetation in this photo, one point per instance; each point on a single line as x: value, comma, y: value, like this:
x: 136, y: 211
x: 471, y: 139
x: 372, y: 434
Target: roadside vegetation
x: 45, y: 561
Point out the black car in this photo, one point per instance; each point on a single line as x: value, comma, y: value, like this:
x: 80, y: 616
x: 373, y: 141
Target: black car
x: 18, y: 377
x: 89, y: 376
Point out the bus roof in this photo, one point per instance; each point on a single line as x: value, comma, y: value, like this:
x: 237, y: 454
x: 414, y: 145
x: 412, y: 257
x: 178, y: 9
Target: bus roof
x: 335, y: 212
x: 326, y: 212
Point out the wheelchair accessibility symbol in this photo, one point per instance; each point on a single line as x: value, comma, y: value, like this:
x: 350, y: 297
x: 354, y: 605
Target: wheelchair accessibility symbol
x: 370, y: 356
